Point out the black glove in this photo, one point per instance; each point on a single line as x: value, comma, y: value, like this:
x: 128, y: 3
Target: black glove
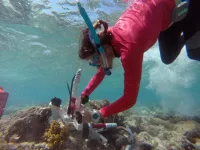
x: 84, y: 99
x: 56, y: 101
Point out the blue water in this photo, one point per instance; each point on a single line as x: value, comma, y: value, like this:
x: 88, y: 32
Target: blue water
x: 38, y: 55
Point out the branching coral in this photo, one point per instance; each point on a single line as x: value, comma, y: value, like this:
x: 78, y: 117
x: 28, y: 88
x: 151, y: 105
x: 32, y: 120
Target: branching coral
x: 55, y: 136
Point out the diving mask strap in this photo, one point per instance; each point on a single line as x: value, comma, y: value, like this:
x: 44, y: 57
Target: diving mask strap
x: 95, y: 38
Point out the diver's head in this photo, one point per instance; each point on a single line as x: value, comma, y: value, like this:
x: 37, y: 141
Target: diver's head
x: 88, y: 50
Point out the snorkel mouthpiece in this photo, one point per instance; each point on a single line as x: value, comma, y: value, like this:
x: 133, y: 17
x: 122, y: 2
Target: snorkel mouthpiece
x: 95, y: 61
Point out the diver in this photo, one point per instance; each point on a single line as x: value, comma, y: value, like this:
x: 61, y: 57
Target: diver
x: 184, y: 31
x: 173, y: 23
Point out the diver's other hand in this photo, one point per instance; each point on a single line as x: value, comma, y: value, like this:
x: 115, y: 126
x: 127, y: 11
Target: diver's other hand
x: 84, y: 99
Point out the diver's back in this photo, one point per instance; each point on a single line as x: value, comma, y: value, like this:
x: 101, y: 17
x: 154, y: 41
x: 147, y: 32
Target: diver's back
x: 143, y: 20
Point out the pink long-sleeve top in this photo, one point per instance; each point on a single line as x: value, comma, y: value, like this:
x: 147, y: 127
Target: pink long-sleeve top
x: 134, y: 33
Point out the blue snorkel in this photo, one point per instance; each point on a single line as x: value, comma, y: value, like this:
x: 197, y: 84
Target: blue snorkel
x: 95, y: 40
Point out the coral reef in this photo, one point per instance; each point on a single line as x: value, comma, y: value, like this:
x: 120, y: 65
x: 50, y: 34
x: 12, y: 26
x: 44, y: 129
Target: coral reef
x: 56, y: 135
x: 98, y: 104
x: 193, y: 136
x: 152, y: 128
x: 28, y: 125
x: 143, y: 146
x: 161, y: 132
x: 23, y: 146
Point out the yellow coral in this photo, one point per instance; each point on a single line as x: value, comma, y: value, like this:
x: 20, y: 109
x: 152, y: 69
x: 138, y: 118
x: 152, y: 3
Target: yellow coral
x: 55, y: 135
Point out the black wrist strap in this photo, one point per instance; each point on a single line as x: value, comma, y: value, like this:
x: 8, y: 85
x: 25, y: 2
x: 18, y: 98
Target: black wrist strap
x: 85, y: 99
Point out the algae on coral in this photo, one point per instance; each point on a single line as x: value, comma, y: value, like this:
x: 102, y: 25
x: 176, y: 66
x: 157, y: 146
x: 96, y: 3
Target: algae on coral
x: 56, y: 135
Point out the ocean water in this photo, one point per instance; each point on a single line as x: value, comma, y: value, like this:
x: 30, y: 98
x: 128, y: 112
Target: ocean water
x: 39, y: 43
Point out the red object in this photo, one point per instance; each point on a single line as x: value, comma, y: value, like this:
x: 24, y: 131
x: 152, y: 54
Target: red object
x: 74, y: 100
x: 99, y: 125
x: 73, y: 104
x: 1, y: 89
x: 3, y: 100
x: 135, y: 32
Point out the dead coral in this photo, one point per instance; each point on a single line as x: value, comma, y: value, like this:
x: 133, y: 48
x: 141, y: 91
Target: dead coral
x: 138, y: 123
x: 3, y: 144
x: 23, y: 146
x: 193, y: 135
x: 143, y: 146
x: 188, y: 146
x: 28, y: 125
x: 98, y: 104
x: 158, y: 121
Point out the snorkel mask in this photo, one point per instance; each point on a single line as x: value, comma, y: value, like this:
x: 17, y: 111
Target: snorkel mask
x: 95, y: 61
x: 96, y: 42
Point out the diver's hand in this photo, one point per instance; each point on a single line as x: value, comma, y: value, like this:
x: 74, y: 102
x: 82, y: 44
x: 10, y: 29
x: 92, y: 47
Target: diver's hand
x: 84, y: 99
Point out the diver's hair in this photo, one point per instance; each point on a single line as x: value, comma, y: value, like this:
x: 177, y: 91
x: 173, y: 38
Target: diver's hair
x: 86, y: 48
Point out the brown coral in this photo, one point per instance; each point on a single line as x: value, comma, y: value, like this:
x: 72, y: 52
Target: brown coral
x: 193, y: 135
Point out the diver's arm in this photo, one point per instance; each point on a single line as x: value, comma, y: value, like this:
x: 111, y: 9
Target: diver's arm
x: 94, y: 82
x: 132, y: 63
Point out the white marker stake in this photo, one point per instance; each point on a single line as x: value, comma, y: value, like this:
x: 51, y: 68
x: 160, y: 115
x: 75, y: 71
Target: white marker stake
x: 75, y: 88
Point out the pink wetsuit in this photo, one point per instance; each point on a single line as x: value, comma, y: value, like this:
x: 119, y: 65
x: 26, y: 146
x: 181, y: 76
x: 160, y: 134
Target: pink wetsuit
x: 134, y: 33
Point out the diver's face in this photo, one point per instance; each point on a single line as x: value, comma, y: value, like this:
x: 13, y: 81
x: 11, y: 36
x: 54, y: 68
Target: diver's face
x: 94, y: 60
x: 98, y: 61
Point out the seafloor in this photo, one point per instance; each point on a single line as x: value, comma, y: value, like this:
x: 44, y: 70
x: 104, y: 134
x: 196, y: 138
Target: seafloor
x: 34, y: 129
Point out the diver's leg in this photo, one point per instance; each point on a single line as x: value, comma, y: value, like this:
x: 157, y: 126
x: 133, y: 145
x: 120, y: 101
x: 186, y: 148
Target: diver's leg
x: 193, y: 47
x: 192, y: 30
x: 171, y: 42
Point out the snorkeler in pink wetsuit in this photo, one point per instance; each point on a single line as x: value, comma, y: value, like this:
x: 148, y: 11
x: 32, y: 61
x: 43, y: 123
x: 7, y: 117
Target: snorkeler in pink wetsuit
x: 137, y: 30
